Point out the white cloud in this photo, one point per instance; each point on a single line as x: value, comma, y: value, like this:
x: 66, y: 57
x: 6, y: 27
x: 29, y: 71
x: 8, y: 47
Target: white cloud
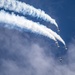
x: 23, y: 57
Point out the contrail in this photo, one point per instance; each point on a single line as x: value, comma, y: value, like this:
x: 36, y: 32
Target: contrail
x: 22, y: 22
x: 26, y: 9
x: 30, y: 25
x: 54, y: 34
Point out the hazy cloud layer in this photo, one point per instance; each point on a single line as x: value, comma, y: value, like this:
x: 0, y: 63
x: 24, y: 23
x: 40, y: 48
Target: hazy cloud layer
x: 21, y: 56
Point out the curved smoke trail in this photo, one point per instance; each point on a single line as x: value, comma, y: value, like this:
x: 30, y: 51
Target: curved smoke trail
x: 22, y: 22
x: 54, y: 34
x: 26, y: 9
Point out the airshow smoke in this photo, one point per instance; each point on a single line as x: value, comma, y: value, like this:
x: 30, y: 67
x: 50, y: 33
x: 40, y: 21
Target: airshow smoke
x: 22, y: 22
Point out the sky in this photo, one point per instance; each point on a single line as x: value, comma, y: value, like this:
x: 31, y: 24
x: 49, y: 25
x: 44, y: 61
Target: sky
x: 25, y: 53
x: 63, y: 12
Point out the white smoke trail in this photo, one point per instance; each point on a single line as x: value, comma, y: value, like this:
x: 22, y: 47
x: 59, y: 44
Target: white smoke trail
x: 54, y: 34
x: 22, y: 22
x: 24, y: 8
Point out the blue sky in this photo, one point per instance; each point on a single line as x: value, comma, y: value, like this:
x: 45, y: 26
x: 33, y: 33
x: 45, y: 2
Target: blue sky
x: 26, y: 53
x: 64, y: 13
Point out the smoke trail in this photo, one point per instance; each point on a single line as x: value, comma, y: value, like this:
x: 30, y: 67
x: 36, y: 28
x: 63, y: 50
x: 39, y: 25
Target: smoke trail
x: 30, y: 25
x: 26, y: 9
x: 22, y: 22
x: 54, y: 34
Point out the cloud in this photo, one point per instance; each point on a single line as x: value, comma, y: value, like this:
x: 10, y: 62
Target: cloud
x: 20, y: 56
